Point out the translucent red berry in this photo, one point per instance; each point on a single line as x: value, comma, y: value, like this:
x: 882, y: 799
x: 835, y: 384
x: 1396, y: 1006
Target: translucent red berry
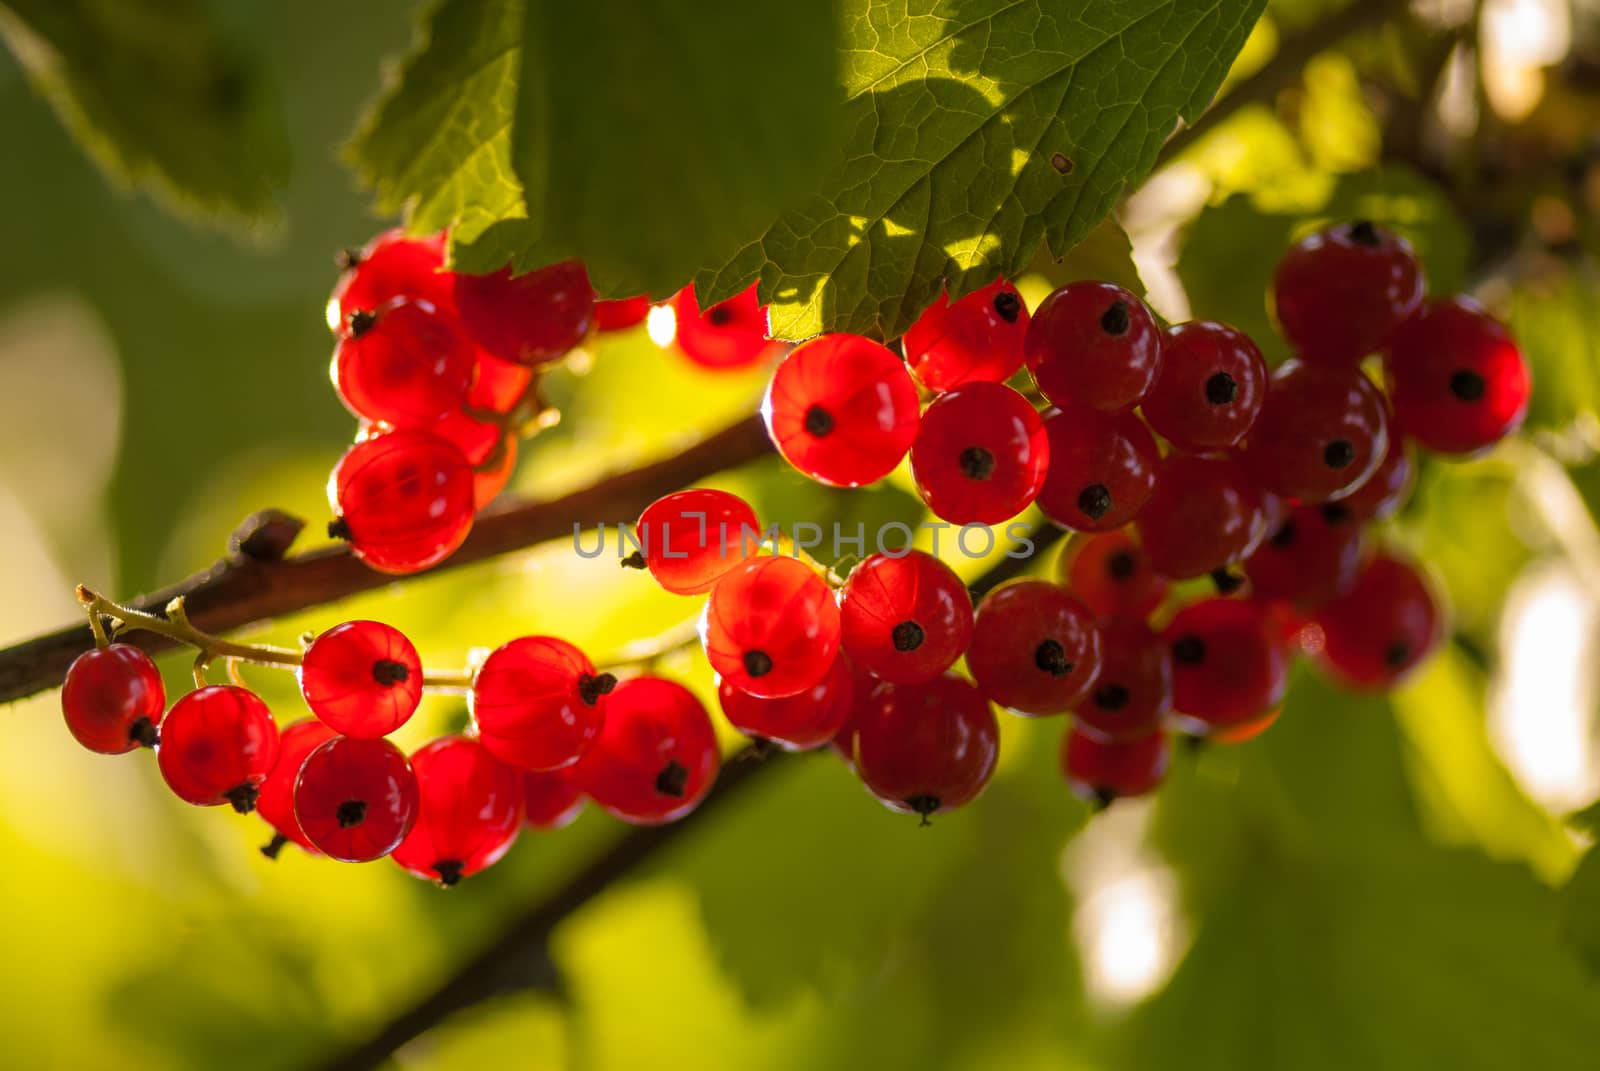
x: 1112, y: 575
x: 356, y: 800
x: 977, y: 339
x: 905, y: 618
x: 1204, y: 515
x: 362, y: 678
x: 404, y: 363
x: 691, y: 538
x: 1311, y: 557
x: 527, y: 319
x: 275, y: 799
x: 1388, y: 488
x: 553, y: 798
x: 730, y: 334
x: 1228, y: 665
x: 1210, y: 389
x: 1103, y: 771
x: 925, y: 748
x: 980, y: 455
x: 1035, y: 649
x: 1095, y: 345
x: 1339, y: 293
x: 656, y: 757
x: 217, y: 745
x: 539, y: 703
x: 1134, y: 690
x: 771, y: 627
x: 391, y: 266
x: 404, y: 500
x: 1373, y: 637
x: 621, y: 313
x: 469, y: 814
x: 1456, y: 378
x: 842, y: 409
x: 797, y: 722
x: 113, y: 699
x: 1321, y: 432
x: 1102, y: 469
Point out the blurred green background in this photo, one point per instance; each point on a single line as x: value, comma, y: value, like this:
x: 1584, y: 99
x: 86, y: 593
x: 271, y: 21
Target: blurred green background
x: 1373, y: 883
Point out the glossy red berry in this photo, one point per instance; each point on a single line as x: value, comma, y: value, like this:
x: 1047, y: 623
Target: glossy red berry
x: 656, y: 757
x: 689, y: 539
x: 925, y: 748
x: 1204, y: 515
x: 1311, y: 557
x: 730, y: 334
x: 905, y: 618
x: 1210, y: 389
x: 842, y: 409
x: 362, y: 678
x: 1374, y: 636
x: 1134, y: 690
x: 1456, y: 378
x: 1093, y: 345
x: 980, y: 455
x: 1112, y: 575
x: 1102, y: 469
x: 539, y: 703
x: 1339, y: 293
x: 1322, y: 431
x: 469, y: 814
x: 553, y: 799
x: 1388, y: 488
x: 404, y: 363
x: 217, y: 745
x: 275, y: 799
x: 113, y: 699
x: 500, y: 384
x: 797, y: 722
x: 404, y: 500
x: 771, y: 627
x: 1035, y: 649
x: 1103, y: 771
x: 391, y: 266
x: 621, y: 313
x: 527, y: 319
x: 1228, y: 664
x: 977, y: 339
x: 356, y: 800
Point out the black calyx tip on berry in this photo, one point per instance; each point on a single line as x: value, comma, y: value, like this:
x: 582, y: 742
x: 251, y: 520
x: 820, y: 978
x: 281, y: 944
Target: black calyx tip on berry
x: 1338, y: 454
x: 351, y: 813
x: 449, y: 871
x: 274, y: 846
x: 1101, y: 797
x: 1111, y: 697
x: 1284, y: 537
x: 242, y: 797
x: 1115, y: 321
x: 977, y: 463
x: 720, y: 315
x: 389, y: 673
x: 1365, y: 232
x: 757, y: 663
x: 1008, y: 305
x: 1193, y: 743
x: 907, y: 636
x: 347, y: 259
x: 1189, y: 650
x: 819, y: 422
x: 924, y: 805
x: 1221, y: 389
x: 339, y: 528
x: 1467, y: 385
x: 1121, y: 565
x: 1094, y: 501
x: 1335, y: 513
x: 1226, y: 582
x: 1051, y: 657
x: 673, y: 780
x: 143, y: 732
x: 360, y: 321
x: 633, y: 561
x: 1397, y: 654
x: 592, y: 687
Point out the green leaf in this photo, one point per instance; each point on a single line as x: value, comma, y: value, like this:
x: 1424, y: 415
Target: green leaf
x: 1580, y: 915
x: 1105, y: 254
x: 161, y: 97
x: 977, y: 130
x: 649, y: 150
x: 1557, y: 325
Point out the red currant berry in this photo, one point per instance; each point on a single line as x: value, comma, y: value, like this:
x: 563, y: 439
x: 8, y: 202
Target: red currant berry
x: 1112, y: 576
x: 928, y: 747
x: 1105, y: 771
x: 527, y: 319
x: 842, y: 410
x: 1322, y: 431
x: 1339, y: 293
x: 1102, y: 469
x: 1035, y: 649
x: 656, y: 757
x: 363, y: 678
x: 1373, y: 637
x: 553, y: 799
x: 1457, y: 380
x: 1093, y: 345
x: 1134, y: 690
x: 730, y: 334
x: 356, y: 800
x: 404, y: 500
x: 1205, y: 515
x: 470, y: 813
x: 904, y: 618
x: 1387, y: 489
x: 404, y: 363
x: 500, y: 384
x: 1311, y: 557
x: 620, y: 314
x: 797, y: 722
x: 391, y: 266
x: 771, y: 627
x: 691, y: 538
x: 980, y: 455
x: 1228, y: 665
x: 275, y: 799
x: 217, y: 745
x: 539, y: 703
x: 977, y: 339
x: 113, y: 699
x: 1212, y: 383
